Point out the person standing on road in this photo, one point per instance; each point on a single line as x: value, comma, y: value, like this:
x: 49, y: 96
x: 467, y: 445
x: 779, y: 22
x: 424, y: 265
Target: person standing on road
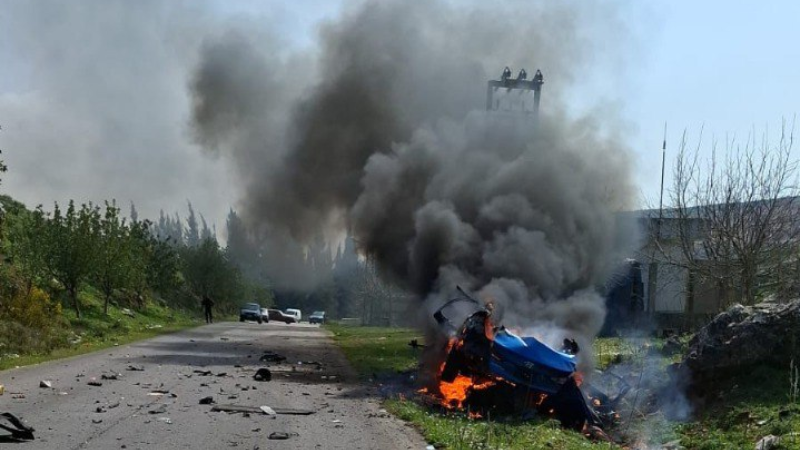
x: 207, y: 304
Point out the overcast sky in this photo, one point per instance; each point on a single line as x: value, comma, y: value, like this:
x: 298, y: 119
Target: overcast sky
x: 93, y: 98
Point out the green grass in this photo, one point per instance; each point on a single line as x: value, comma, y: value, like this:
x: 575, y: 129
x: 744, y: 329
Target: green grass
x: 742, y: 411
x: 96, y: 331
x: 376, y: 349
x: 736, y: 416
x: 457, y: 432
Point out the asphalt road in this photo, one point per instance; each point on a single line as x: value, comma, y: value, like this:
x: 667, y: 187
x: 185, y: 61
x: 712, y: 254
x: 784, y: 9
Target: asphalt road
x: 130, y: 413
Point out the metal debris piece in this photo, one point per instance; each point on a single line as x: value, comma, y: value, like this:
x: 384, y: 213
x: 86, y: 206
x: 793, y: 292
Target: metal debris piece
x: 207, y: 400
x: 270, y: 356
x: 267, y: 410
x: 158, y: 392
x: 110, y: 376
x: 161, y: 409
x: 166, y: 420
x: 258, y: 410
x: 45, y: 384
x: 18, y: 430
x: 263, y: 374
x: 768, y: 442
x: 93, y: 382
x: 280, y: 435
x: 133, y: 368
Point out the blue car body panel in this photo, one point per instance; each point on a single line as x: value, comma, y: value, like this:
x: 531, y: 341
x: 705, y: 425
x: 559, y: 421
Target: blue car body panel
x: 528, y: 361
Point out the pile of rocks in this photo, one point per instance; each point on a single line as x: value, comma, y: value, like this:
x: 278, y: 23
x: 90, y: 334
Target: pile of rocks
x: 744, y: 336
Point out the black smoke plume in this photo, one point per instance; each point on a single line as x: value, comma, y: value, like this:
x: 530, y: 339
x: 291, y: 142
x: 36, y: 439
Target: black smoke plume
x: 381, y: 132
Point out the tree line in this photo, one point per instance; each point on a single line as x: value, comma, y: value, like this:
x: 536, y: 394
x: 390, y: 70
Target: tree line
x: 126, y: 259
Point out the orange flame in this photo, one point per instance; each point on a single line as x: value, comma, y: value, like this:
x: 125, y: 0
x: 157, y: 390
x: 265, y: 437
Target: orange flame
x: 454, y: 394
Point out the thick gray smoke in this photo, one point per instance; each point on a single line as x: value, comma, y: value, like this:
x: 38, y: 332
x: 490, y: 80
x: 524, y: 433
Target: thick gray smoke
x: 382, y: 133
x: 93, y: 105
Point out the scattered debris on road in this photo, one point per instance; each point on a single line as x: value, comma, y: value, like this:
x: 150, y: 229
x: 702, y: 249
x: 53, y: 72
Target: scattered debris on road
x: 267, y: 410
x: 270, y: 356
x: 281, y: 436
x: 45, y: 384
x: 2, y: 389
x: 110, y: 376
x: 93, y: 382
x: 158, y: 392
x: 263, y: 374
x: 203, y: 373
x: 207, y: 400
x: 160, y: 409
x: 133, y: 368
x: 16, y: 427
x: 166, y: 420
x: 258, y: 410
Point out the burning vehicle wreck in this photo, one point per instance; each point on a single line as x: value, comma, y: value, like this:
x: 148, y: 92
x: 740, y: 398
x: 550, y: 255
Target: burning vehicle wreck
x: 488, y: 370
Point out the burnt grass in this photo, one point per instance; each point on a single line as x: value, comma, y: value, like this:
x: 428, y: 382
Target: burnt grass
x: 732, y: 413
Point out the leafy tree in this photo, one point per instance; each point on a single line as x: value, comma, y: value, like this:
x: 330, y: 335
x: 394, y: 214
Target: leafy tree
x: 140, y: 258
x: 177, y: 234
x: 207, y: 271
x: 24, y: 233
x: 70, y: 240
x: 239, y: 248
x: 134, y: 213
x: 192, y: 229
x: 163, y: 266
x: 205, y: 231
x: 113, y: 260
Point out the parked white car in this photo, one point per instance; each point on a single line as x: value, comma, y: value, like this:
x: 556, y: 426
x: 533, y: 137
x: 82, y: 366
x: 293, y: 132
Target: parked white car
x: 294, y: 313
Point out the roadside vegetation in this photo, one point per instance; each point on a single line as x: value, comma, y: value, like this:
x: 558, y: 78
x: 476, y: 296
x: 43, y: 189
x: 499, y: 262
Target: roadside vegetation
x: 82, y: 277
x: 741, y: 412
x: 67, y: 336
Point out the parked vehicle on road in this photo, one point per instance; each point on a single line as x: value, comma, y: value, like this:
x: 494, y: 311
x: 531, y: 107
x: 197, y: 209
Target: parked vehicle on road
x: 279, y: 316
x: 317, y: 317
x: 265, y: 315
x: 250, y: 311
x: 295, y: 313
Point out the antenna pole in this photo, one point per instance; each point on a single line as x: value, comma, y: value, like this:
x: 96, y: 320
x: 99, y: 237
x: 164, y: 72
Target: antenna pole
x: 661, y: 196
x: 652, y: 277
